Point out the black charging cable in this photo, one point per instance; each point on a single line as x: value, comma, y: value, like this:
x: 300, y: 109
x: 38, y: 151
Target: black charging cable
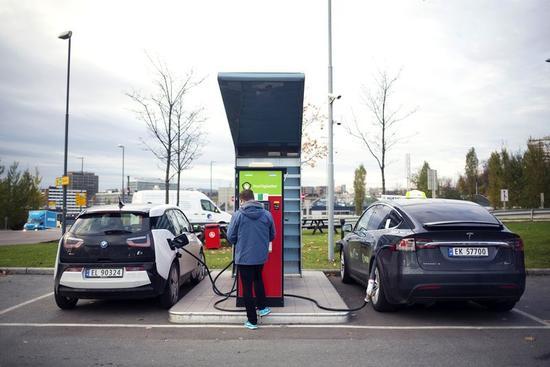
x: 230, y: 294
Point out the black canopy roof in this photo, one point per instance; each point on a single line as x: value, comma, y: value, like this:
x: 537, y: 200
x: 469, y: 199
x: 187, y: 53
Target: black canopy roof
x: 264, y: 111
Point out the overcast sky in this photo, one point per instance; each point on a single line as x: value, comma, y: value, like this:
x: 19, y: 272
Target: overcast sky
x: 475, y: 71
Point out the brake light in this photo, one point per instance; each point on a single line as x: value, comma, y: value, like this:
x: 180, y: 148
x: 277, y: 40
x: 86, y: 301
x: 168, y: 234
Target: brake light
x: 72, y: 242
x: 142, y: 241
x: 517, y: 244
x: 74, y: 269
x: 406, y: 244
x: 411, y: 244
x: 135, y: 268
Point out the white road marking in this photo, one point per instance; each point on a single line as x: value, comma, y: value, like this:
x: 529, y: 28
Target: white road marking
x: 532, y: 317
x: 297, y: 326
x: 25, y: 303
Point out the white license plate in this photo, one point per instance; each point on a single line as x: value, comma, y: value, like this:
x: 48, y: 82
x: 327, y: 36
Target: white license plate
x: 468, y: 251
x: 104, y: 273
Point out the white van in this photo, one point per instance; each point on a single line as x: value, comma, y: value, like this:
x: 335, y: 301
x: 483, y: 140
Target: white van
x: 198, y: 208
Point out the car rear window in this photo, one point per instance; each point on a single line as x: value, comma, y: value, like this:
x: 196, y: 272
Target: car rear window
x: 445, y: 212
x: 111, y: 223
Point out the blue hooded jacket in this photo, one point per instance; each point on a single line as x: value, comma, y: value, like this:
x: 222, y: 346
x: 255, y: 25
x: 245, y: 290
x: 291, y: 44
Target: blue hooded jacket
x: 250, y: 231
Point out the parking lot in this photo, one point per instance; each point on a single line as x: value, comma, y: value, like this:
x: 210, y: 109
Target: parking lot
x: 35, y: 332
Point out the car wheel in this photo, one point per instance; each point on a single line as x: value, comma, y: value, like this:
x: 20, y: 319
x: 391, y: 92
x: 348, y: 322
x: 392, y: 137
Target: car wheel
x: 172, y: 289
x: 65, y: 303
x: 499, y: 306
x: 200, y: 270
x: 344, y: 269
x: 379, y: 301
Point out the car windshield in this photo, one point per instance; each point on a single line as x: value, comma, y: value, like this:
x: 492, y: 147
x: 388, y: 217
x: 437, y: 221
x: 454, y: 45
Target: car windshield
x: 444, y: 212
x: 111, y: 223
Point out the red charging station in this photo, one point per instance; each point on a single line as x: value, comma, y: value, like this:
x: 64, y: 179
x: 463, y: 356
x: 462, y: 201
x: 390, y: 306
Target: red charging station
x: 273, y: 272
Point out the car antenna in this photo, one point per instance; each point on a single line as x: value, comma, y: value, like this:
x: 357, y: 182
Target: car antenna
x: 120, y: 203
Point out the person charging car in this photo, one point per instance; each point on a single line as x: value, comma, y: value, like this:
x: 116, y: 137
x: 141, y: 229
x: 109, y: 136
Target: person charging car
x: 126, y: 251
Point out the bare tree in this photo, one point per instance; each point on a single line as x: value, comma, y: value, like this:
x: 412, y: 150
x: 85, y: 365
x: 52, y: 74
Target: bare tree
x: 159, y: 111
x: 188, y: 143
x: 385, y: 134
x: 312, y: 148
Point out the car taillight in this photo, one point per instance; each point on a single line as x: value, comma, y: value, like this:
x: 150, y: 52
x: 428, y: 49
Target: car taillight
x: 72, y: 242
x: 411, y: 244
x: 135, y: 268
x: 406, y: 244
x: 517, y: 244
x: 74, y: 269
x: 142, y: 241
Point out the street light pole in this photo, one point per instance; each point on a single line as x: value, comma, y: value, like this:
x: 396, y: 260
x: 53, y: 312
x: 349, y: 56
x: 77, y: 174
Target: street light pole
x: 330, y: 162
x: 66, y: 36
x: 122, y: 186
x: 211, y: 178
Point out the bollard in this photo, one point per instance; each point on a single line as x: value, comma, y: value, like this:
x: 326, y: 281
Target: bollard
x: 532, y: 214
x: 6, y: 223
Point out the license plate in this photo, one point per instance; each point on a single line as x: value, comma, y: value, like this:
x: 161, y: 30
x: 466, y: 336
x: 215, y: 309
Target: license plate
x: 104, y: 273
x: 468, y: 251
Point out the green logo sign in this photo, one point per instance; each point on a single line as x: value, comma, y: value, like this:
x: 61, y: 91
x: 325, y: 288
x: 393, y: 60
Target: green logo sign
x: 263, y: 183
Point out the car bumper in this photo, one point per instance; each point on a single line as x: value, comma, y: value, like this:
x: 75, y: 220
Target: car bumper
x: 424, y: 286
x: 134, y: 284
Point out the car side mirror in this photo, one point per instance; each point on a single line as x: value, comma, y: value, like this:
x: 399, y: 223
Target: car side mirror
x: 347, y: 227
x: 180, y: 241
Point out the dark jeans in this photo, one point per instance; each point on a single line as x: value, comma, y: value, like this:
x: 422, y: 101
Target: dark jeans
x: 252, y: 275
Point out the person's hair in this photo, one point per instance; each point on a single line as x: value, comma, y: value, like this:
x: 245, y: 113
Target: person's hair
x: 246, y: 195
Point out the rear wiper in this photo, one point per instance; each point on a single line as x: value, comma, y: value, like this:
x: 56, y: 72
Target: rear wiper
x: 116, y: 231
x: 462, y: 224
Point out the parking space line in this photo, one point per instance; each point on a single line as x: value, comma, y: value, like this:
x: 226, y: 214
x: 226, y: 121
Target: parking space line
x: 25, y: 303
x: 532, y: 317
x: 296, y: 326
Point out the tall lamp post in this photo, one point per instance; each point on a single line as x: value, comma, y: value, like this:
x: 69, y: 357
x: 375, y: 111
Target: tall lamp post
x: 330, y: 161
x: 66, y: 36
x: 211, y: 178
x: 122, y: 147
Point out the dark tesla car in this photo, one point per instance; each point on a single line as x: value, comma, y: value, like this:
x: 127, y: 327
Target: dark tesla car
x: 425, y: 250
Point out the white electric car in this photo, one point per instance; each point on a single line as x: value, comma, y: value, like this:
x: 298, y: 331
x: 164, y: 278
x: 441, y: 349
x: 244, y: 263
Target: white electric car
x: 126, y: 252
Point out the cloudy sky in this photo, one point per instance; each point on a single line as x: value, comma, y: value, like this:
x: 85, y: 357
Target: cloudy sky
x: 474, y: 70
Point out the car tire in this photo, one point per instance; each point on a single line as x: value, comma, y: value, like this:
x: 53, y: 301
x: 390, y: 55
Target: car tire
x: 379, y: 301
x: 65, y: 303
x: 200, y: 271
x: 172, y: 289
x: 500, y: 305
x: 344, y: 269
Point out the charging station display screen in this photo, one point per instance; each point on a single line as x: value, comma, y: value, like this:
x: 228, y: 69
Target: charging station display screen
x: 262, y: 183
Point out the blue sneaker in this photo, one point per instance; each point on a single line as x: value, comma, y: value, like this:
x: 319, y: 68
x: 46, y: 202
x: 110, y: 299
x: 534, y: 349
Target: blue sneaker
x: 264, y: 312
x: 250, y: 325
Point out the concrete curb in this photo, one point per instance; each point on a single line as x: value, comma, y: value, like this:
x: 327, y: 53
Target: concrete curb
x: 33, y: 271
x: 49, y: 271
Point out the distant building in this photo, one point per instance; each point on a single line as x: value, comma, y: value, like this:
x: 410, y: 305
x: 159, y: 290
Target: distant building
x: 544, y: 143
x: 84, y: 181
x: 140, y: 183
x: 108, y: 197
x: 55, y: 199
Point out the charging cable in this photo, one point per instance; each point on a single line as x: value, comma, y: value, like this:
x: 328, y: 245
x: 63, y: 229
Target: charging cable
x: 230, y: 294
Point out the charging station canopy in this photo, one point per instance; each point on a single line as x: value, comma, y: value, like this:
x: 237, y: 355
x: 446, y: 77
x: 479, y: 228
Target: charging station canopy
x: 264, y: 111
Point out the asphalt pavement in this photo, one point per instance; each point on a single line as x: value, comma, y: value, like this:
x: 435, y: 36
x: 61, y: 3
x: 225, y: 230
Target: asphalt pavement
x: 24, y: 237
x: 130, y: 333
